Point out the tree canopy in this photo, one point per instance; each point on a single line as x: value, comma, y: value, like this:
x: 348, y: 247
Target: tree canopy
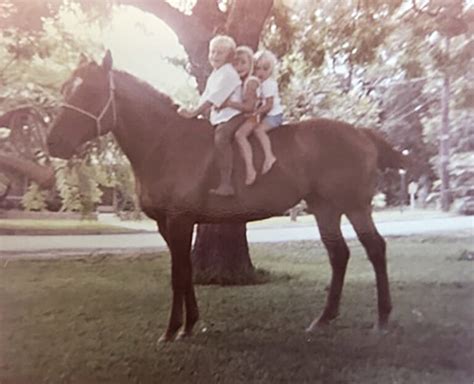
x: 370, y: 62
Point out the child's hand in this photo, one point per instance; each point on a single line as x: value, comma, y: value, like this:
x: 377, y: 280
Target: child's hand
x: 186, y: 113
x: 225, y: 104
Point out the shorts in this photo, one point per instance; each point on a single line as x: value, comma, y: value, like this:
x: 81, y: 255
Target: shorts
x: 274, y: 120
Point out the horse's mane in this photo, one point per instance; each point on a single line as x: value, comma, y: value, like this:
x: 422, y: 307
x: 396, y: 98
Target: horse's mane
x: 141, y: 90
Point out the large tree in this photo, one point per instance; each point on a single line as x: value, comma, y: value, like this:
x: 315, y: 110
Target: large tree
x: 221, y: 253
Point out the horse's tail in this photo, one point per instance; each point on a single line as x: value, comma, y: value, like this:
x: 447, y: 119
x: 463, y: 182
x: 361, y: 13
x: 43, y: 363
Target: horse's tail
x: 388, y: 157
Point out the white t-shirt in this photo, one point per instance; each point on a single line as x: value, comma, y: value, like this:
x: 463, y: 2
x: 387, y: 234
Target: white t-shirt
x: 221, y: 84
x: 269, y: 88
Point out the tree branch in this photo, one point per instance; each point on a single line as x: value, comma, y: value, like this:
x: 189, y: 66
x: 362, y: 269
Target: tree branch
x: 208, y: 11
x: 5, y: 67
x: 243, y: 12
x: 43, y: 175
x: 193, y: 33
x: 242, y: 21
x: 162, y: 9
x: 420, y: 11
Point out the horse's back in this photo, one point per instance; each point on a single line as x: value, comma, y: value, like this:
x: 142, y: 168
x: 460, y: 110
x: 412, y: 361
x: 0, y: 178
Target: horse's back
x: 338, y: 161
x: 319, y: 158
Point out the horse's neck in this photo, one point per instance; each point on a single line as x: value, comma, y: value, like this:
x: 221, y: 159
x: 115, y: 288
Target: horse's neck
x: 160, y: 144
x: 141, y: 129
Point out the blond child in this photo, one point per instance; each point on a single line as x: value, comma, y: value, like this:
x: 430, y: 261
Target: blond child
x: 268, y: 115
x: 223, y: 84
x: 244, y: 63
x: 270, y: 110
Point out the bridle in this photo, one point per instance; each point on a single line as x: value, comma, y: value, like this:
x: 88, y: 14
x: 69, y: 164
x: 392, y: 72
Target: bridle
x: 110, y: 102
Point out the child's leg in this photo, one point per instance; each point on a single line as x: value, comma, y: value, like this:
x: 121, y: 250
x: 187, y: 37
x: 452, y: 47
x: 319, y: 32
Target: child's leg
x: 262, y: 136
x: 241, y: 136
x: 223, y: 136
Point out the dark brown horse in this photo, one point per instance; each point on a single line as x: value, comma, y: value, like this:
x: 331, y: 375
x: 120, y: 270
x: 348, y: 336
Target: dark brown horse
x: 330, y: 164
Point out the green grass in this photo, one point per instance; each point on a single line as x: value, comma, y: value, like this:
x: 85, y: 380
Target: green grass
x: 75, y: 227
x: 96, y: 320
x: 57, y: 227
x: 389, y: 214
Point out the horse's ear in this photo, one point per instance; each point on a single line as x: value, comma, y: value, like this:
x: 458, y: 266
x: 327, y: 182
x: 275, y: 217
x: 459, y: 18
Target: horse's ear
x: 107, y: 61
x: 82, y: 59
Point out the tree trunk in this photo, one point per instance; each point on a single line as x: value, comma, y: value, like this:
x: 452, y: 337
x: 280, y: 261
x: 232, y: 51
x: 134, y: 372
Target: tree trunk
x: 221, y: 253
x: 444, y: 141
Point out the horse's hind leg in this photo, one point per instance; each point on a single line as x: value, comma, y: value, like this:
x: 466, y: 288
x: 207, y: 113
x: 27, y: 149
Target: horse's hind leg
x: 178, y: 236
x: 374, y: 245
x: 162, y: 225
x: 329, y: 224
x: 192, y: 311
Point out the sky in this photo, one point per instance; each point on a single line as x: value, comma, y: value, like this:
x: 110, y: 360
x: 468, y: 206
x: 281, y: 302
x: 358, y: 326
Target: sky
x: 140, y: 43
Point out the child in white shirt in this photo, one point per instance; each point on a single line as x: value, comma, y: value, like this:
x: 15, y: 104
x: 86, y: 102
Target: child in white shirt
x: 244, y: 63
x: 223, y: 83
x: 270, y: 109
x: 268, y: 114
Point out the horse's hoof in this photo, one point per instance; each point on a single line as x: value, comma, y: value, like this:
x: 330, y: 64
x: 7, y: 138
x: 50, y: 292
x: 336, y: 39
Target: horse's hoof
x: 316, y: 325
x: 380, y: 329
x: 184, y: 335
x: 322, y: 321
x: 166, y: 338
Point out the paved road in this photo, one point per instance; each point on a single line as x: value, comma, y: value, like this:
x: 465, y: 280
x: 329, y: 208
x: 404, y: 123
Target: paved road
x: 141, y: 241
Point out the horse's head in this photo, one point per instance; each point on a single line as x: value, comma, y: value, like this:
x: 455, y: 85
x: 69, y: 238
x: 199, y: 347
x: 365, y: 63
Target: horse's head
x: 88, y: 110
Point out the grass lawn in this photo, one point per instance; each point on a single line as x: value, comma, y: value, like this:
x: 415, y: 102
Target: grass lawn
x: 57, y: 227
x: 114, y: 225
x: 96, y: 320
x: 389, y: 214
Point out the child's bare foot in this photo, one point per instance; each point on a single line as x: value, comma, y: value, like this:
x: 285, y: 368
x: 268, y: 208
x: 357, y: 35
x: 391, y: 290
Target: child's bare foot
x: 250, y: 179
x: 267, y: 165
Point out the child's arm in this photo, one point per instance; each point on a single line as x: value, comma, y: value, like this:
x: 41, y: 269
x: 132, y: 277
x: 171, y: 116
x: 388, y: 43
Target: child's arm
x: 217, y: 90
x: 266, y: 107
x: 189, y: 114
x: 249, y: 99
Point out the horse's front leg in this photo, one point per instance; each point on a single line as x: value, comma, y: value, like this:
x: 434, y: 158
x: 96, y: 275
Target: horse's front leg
x: 178, y: 236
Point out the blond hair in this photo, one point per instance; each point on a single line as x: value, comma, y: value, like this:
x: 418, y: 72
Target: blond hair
x: 224, y: 41
x: 265, y: 54
x: 244, y: 50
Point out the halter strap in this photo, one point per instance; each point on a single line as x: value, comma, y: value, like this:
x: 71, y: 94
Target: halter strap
x: 110, y: 102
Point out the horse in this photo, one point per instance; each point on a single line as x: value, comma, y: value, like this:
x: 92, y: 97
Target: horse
x: 330, y: 164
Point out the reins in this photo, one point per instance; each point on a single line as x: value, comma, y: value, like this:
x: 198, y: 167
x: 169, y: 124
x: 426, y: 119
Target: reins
x: 110, y: 102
